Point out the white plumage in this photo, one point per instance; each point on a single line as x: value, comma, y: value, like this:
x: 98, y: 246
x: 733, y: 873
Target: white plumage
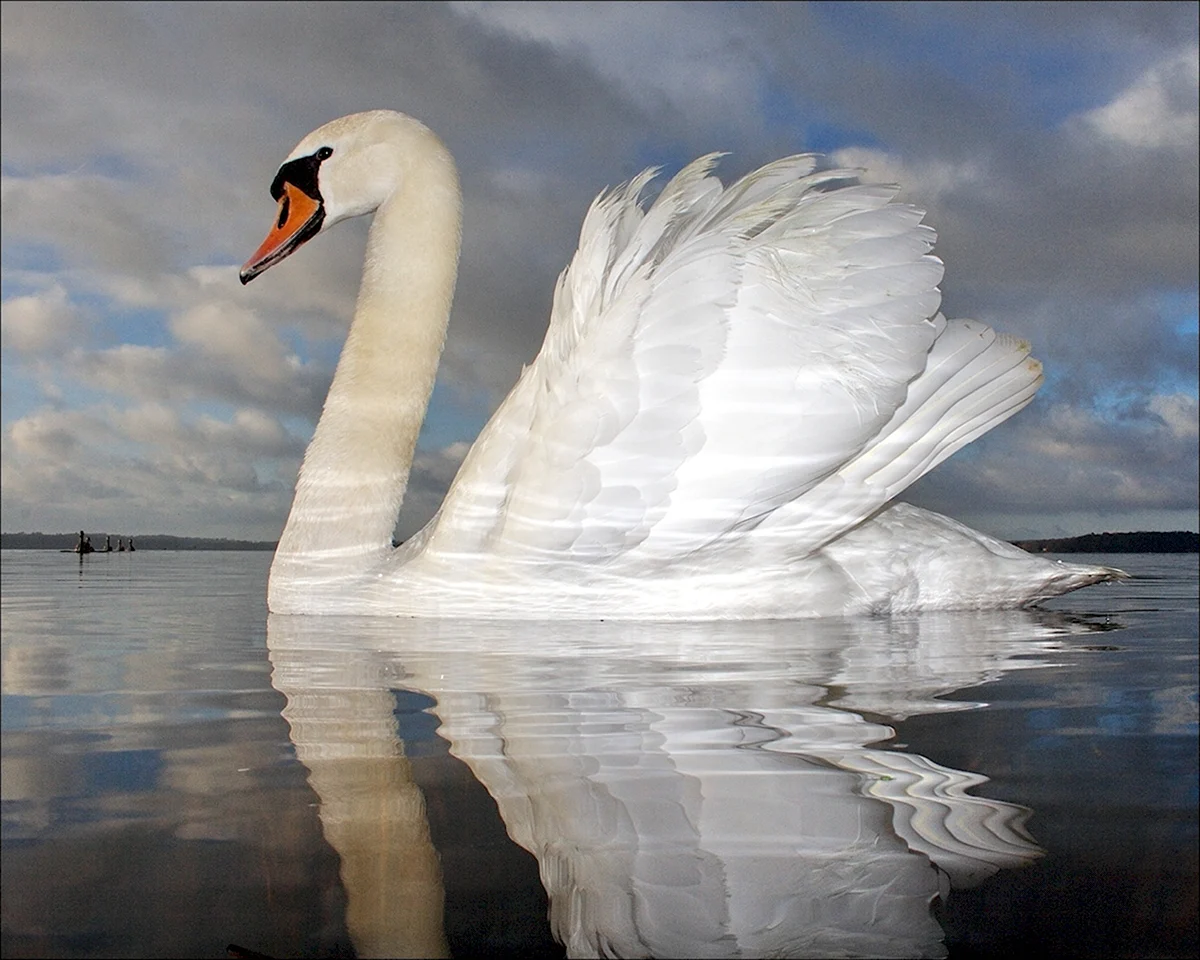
x: 734, y: 385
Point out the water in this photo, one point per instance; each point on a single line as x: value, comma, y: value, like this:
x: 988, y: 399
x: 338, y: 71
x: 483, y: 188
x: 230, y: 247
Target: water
x: 180, y: 773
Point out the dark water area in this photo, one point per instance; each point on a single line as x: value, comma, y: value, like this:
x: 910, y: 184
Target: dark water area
x: 181, y: 772
x: 1104, y: 751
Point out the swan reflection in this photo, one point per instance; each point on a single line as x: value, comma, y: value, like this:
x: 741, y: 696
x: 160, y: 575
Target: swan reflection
x: 705, y: 790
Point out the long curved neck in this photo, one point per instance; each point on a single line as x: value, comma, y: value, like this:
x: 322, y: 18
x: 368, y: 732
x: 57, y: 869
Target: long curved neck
x: 356, y: 469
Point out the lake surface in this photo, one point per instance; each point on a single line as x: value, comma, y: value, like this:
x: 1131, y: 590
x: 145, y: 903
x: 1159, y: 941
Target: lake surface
x: 181, y: 772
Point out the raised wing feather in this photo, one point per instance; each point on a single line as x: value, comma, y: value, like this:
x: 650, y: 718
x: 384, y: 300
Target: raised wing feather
x: 974, y: 379
x: 708, y: 361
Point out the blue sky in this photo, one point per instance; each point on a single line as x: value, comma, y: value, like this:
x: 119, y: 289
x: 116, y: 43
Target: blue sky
x: 144, y: 390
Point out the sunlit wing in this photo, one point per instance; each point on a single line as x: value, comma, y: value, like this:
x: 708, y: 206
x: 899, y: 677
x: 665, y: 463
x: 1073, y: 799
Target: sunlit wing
x: 714, y: 362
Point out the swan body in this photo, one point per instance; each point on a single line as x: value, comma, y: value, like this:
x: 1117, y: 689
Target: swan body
x: 734, y: 385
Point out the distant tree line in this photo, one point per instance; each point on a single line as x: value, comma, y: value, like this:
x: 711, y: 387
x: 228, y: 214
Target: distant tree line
x: 67, y: 541
x: 1176, y: 541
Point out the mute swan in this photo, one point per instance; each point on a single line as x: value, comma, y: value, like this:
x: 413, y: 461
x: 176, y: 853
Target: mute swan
x: 734, y: 385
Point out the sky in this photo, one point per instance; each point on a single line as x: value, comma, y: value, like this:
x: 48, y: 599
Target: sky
x: 144, y: 390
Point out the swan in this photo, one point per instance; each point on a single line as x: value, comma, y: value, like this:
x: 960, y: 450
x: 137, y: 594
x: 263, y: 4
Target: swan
x: 735, y: 384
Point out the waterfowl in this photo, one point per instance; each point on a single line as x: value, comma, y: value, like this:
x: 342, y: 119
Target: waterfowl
x: 735, y: 384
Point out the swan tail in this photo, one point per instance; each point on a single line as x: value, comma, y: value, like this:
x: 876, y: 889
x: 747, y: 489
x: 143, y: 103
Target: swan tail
x: 905, y: 559
x: 1074, y: 576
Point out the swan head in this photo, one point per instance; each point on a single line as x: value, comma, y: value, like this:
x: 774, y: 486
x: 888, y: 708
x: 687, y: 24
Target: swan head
x: 347, y: 168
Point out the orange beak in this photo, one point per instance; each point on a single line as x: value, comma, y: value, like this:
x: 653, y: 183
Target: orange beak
x: 300, y: 218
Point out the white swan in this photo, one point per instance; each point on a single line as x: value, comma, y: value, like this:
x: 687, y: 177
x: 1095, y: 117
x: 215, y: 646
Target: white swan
x: 734, y: 385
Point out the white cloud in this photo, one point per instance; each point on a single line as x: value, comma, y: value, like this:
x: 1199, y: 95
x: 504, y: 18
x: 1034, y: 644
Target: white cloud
x: 40, y: 322
x: 53, y: 435
x: 925, y: 182
x: 238, y: 339
x: 1158, y: 110
x: 1178, y: 412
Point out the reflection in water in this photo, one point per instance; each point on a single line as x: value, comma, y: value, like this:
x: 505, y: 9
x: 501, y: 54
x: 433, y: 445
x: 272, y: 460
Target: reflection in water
x: 373, y: 815
x: 688, y: 789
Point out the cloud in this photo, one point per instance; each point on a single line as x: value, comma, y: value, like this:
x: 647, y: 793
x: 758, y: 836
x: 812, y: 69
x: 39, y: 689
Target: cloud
x: 1139, y: 457
x: 88, y: 219
x: 1158, y: 110
x: 148, y: 469
x: 40, y: 322
x: 201, y: 372
x: 712, y: 54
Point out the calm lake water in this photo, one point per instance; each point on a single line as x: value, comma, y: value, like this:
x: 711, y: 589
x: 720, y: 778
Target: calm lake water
x: 181, y: 772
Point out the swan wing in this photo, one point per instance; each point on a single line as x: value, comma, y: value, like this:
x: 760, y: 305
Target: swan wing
x: 974, y: 379
x: 708, y: 362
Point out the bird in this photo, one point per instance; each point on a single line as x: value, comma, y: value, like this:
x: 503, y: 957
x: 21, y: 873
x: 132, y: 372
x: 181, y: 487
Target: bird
x: 735, y: 384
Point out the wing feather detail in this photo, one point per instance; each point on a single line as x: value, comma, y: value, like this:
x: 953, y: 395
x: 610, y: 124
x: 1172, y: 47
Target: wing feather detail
x: 729, y: 365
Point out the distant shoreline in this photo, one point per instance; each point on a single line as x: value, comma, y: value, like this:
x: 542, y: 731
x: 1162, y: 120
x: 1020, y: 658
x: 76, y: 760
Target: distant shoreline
x: 67, y: 541
x: 1146, y: 541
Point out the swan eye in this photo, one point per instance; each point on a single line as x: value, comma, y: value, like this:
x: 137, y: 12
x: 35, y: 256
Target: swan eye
x: 301, y: 173
x: 284, y: 208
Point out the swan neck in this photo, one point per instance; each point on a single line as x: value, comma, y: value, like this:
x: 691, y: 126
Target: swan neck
x: 357, y: 466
